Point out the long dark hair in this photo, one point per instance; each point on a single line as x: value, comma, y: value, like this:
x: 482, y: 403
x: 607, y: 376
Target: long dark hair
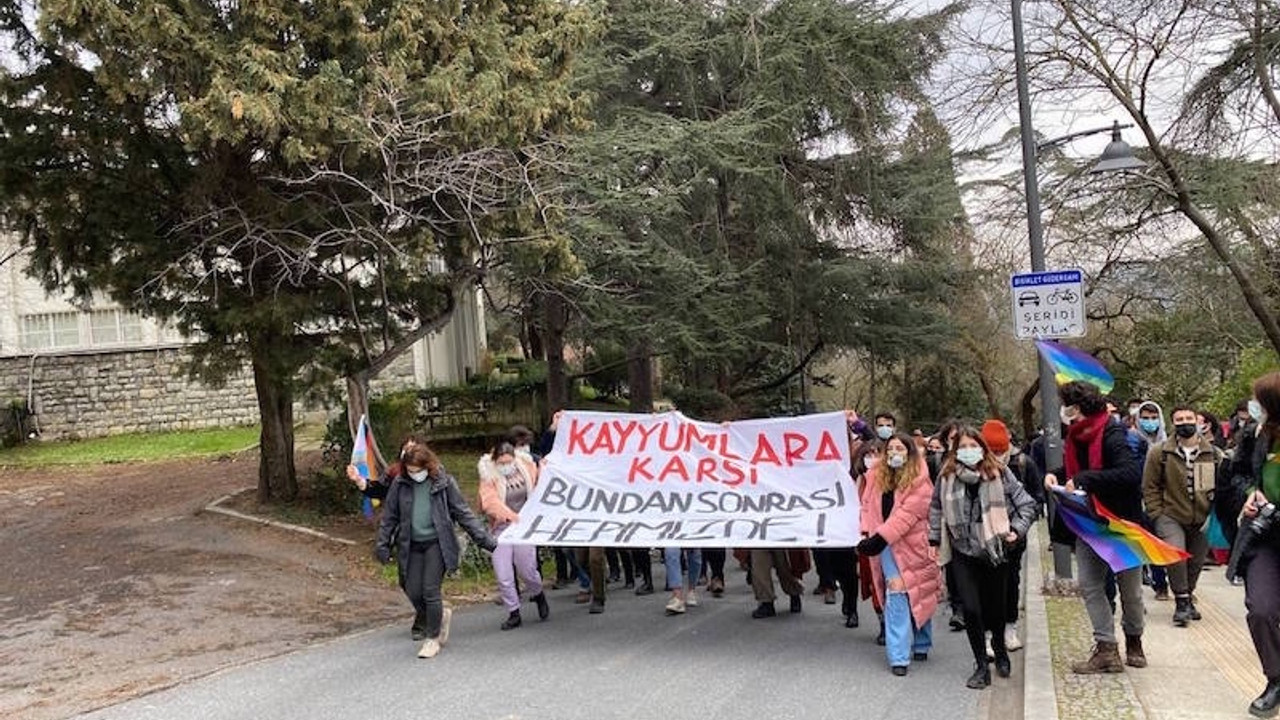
x: 1267, y: 390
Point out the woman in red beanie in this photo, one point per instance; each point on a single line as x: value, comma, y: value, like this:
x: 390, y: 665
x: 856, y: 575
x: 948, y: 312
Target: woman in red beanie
x: 996, y: 434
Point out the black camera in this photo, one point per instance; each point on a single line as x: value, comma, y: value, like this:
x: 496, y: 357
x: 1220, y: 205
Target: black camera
x: 1262, y: 523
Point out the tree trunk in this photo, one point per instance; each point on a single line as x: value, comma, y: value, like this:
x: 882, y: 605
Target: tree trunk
x: 358, y: 405
x: 555, y: 317
x: 277, y: 476
x: 640, y: 376
x: 537, y: 349
x: 1029, y: 411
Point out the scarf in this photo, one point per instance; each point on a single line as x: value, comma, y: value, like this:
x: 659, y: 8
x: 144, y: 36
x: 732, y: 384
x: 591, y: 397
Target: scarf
x: 1085, y: 431
x: 993, y: 521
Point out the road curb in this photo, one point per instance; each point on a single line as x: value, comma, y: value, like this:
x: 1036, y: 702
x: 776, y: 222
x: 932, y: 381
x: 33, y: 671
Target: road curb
x: 1040, y: 695
x: 216, y: 507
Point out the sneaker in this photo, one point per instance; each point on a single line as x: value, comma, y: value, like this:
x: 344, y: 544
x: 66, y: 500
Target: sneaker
x: 1161, y: 595
x: 597, y: 606
x: 957, y: 621
x: 419, y: 630
x: 675, y: 606
x: 584, y: 597
x: 430, y: 649
x: 1195, y: 613
x: 645, y: 589
x: 716, y: 587
x: 445, y: 619
x: 512, y: 622
x: 829, y: 597
x: 691, y: 599
x: 1011, y: 640
x: 544, y: 608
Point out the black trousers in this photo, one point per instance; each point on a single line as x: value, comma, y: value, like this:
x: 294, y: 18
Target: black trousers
x: 1013, y: 564
x: 713, y: 560
x: 642, y: 565
x: 423, y: 577
x: 838, y: 568
x: 983, y: 592
x: 953, y: 591
x: 1262, y: 600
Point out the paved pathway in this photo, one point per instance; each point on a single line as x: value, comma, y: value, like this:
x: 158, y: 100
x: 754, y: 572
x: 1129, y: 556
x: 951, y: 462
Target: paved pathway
x: 630, y: 662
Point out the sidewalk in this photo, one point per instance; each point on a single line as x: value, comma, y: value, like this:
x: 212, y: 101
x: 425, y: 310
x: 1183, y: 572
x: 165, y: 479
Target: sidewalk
x: 1207, y: 671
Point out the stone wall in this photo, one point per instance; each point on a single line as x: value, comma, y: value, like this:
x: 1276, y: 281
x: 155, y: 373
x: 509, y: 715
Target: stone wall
x: 106, y: 393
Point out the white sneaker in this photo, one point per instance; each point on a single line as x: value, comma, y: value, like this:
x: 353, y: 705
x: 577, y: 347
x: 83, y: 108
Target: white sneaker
x: 675, y: 605
x: 445, y: 619
x: 691, y: 599
x: 1011, y: 641
x: 991, y: 654
x: 430, y: 649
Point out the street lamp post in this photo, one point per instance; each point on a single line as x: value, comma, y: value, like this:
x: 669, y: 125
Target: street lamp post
x: 1117, y: 156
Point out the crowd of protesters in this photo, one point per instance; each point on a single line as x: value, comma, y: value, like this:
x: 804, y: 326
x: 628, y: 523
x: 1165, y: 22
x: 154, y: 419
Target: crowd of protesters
x: 944, y: 518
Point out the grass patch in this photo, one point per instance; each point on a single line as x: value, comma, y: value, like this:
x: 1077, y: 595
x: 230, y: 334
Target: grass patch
x: 133, y: 447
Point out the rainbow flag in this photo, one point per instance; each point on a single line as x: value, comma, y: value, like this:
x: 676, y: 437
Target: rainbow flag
x: 1123, y: 544
x: 1071, y: 364
x: 362, y: 457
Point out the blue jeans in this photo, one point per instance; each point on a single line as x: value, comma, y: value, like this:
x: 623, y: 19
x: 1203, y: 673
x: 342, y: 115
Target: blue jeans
x: 671, y: 559
x: 901, y: 636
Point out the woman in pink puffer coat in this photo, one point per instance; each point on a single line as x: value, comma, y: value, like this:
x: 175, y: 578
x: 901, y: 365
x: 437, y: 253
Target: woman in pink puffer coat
x: 895, y: 499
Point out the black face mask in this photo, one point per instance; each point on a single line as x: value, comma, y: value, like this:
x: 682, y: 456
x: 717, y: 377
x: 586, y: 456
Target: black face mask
x: 1185, y: 431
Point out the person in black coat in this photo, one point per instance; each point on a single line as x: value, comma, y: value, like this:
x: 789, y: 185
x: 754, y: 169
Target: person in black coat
x: 1099, y: 463
x: 422, y: 504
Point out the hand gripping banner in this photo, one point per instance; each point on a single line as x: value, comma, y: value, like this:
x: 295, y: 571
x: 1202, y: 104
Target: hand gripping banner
x: 623, y: 480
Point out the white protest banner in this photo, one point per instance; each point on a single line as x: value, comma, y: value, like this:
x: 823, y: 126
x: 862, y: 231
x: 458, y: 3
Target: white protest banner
x: 623, y: 480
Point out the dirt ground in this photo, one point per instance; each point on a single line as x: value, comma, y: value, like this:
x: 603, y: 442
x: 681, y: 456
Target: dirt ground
x: 113, y: 583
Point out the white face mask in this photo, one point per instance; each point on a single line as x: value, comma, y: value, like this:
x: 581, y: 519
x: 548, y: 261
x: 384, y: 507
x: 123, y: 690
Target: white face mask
x: 896, y: 460
x: 884, y: 431
x: 1256, y: 412
x: 871, y: 461
x: 969, y: 456
x: 506, y: 469
x: 418, y: 476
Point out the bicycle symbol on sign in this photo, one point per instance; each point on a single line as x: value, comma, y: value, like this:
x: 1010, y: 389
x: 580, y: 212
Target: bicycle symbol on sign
x: 1063, y: 295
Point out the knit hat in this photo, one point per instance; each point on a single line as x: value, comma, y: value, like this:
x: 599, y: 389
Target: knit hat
x: 996, y: 435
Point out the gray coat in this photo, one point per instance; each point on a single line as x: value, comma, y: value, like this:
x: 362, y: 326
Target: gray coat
x: 447, y: 507
x: 1021, y: 507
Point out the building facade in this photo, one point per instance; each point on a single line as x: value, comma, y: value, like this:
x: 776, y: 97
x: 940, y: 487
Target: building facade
x: 101, y: 370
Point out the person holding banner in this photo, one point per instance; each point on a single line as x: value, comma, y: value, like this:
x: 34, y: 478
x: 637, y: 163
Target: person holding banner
x: 895, y: 519
x: 422, y: 505
x: 506, y: 479
x: 978, y: 514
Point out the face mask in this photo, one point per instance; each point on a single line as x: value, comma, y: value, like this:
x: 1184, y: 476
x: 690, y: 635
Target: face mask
x: 896, y: 460
x: 506, y: 470
x: 1068, y: 414
x: 1149, y: 426
x: 871, y: 461
x: 1185, y: 431
x: 969, y: 456
x: 418, y: 476
x: 884, y: 431
x: 1256, y: 412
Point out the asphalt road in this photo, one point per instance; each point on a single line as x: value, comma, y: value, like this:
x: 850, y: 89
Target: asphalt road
x: 630, y: 662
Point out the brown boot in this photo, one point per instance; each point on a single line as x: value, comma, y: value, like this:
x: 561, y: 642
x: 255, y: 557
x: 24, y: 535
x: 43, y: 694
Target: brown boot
x: 1105, y: 659
x: 1133, y: 655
